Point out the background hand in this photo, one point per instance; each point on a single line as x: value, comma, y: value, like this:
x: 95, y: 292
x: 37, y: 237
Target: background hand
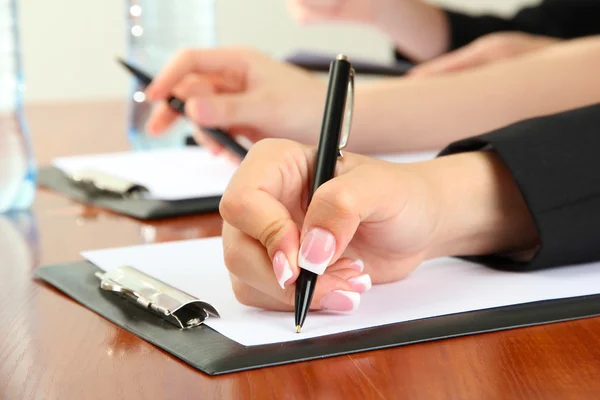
x: 487, y: 49
x: 365, y: 11
x: 241, y: 91
x: 418, y: 29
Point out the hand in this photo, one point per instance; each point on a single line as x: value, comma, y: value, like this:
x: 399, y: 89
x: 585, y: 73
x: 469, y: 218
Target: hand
x: 354, y: 222
x: 487, y: 49
x: 365, y: 11
x: 241, y: 91
x: 403, y: 21
x: 374, y: 222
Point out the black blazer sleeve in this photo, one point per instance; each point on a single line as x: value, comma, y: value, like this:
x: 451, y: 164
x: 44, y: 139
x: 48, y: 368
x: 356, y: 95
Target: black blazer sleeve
x: 566, y: 19
x: 555, y: 161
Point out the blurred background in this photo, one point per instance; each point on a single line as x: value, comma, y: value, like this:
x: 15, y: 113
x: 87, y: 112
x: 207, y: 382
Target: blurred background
x: 69, y: 46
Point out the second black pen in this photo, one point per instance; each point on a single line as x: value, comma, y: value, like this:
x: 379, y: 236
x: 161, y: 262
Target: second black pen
x: 218, y: 135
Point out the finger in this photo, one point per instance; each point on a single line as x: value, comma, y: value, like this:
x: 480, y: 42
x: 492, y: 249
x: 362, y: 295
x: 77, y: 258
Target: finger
x: 226, y: 110
x: 163, y: 115
x: 161, y: 118
x: 260, y: 215
x: 195, y: 61
x: 249, y: 296
x: 464, y: 58
x: 335, y: 212
x: 247, y: 260
x: 272, y: 174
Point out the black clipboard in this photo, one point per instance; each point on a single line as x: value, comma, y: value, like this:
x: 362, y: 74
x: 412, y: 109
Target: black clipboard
x: 318, y: 62
x: 122, y: 198
x: 140, y: 208
x: 214, y: 354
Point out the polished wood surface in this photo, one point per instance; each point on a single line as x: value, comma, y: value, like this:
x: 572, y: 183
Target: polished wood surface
x: 52, y: 348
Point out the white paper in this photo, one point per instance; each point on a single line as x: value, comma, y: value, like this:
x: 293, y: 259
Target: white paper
x: 438, y: 287
x: 169, y: 174
x: 410, y: 157
x: 177, y: 174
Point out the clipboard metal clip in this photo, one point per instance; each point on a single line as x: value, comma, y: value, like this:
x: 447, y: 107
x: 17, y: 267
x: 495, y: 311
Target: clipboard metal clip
x: 97, y: 183
x: 171, y: 304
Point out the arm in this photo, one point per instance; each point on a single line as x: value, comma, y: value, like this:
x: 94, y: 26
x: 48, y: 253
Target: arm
x: 400, y: 114
x: 554, y: 162
x: 565, y: 19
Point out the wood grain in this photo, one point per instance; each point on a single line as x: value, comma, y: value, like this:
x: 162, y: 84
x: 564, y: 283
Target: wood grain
x: 52, y: 348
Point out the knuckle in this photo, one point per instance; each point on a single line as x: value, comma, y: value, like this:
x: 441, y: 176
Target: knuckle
x: 268, y: 237
x: 232, y: 205
x: 268, y: 146
x: 336, y: 200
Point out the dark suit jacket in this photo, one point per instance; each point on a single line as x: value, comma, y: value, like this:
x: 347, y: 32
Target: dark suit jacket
x: 555, y: 161
x: 566, y: 19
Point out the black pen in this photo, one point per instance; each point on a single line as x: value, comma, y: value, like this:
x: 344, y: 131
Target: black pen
x: 335, y: 130
x: 178, y: 105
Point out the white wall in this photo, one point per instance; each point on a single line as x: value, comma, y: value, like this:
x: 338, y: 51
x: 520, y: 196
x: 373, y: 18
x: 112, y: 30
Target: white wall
x: 69, y: 46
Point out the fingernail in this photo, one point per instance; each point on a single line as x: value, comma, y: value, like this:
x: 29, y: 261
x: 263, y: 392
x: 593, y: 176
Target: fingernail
x: 282, y: 269
x: 358, y: 265
x: 341, y: 300
x: 316, y: 250
x: 361, y: 283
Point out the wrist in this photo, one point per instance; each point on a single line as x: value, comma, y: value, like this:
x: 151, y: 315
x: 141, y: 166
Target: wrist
x: 481, y: 210
x: 418, y: 30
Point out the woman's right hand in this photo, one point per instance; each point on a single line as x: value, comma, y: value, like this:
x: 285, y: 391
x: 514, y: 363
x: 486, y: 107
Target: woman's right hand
x: 374, y: 222
x: 241, y: 91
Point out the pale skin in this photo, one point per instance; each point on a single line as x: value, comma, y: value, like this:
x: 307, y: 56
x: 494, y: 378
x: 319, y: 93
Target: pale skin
x: 248, y: 94
x: 377, y: 221
x: 400, y: 20
x: 419, y: 30
x: 486, y: 49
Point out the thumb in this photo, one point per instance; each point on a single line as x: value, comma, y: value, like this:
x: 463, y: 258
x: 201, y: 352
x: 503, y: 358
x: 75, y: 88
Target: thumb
x: 224, y: 110
x: 333, y: 216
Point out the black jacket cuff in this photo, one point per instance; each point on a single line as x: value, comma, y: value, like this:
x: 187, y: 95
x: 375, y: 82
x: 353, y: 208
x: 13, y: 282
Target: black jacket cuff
x: 556, y: 166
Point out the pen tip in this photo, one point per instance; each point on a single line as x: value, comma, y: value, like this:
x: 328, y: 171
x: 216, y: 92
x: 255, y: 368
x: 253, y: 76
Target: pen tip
x: 298, y: 328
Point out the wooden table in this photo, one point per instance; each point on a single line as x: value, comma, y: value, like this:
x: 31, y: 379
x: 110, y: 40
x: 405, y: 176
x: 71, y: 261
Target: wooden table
x: 52, y: 348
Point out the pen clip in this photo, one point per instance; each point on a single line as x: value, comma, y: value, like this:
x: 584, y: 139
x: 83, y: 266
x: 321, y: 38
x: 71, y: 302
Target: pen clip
x: 348, y: 110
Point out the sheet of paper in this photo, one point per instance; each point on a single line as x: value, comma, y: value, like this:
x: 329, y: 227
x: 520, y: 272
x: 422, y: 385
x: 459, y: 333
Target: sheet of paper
x: 438, y: 287
x: 169, y: 174
x: 177, y: 174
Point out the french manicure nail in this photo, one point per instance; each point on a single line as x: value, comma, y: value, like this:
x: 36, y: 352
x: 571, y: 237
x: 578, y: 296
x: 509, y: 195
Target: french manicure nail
x: 282, y: 269
x: 358, y: 265
x: 361, y: 283
x: 316, y: 250
x: 341, y: 300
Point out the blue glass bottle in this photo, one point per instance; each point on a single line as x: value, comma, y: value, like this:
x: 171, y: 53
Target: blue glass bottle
x: 156, y: 30
x: 17, y: 163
